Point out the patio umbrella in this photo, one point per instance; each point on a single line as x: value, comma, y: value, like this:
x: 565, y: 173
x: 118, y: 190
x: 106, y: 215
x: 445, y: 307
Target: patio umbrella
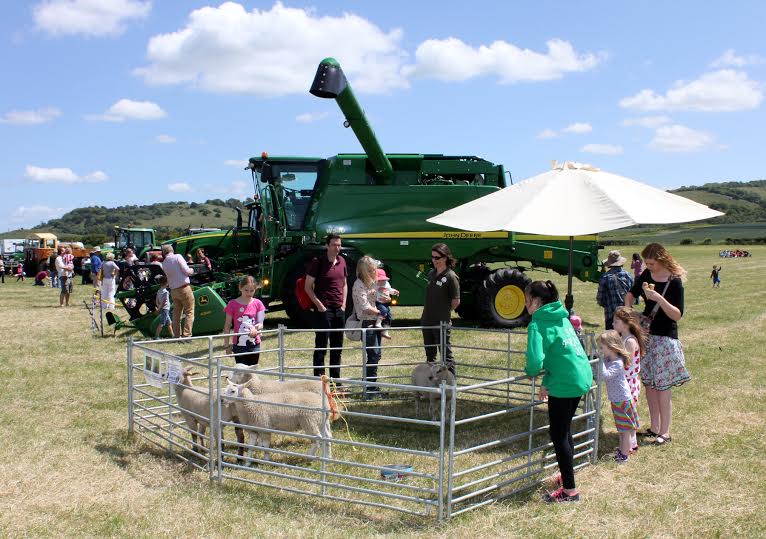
x: 573, y: 199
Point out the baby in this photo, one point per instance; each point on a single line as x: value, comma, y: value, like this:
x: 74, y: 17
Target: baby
x: 382, y: 301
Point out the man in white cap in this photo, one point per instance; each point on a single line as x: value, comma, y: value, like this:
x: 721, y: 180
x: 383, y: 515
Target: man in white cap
x: 615, y: 282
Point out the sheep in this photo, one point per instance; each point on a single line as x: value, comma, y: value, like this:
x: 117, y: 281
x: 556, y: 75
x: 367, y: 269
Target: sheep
x: 246, y: 375
x: 197, y: 402
x: 432, y: 375
x: 267, y: 414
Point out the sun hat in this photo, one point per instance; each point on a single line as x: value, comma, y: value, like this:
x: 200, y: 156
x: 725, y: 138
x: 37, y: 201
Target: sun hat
x: 380, y: 275
x: 96, y: 249
x: 614, y: 259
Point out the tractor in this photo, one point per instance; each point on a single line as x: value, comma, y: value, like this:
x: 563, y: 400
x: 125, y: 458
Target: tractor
x: 379, y: 204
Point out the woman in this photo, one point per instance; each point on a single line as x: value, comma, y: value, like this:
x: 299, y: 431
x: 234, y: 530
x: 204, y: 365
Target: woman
x: 663, y: 365
x: 202, y: 259
x: 637, y: 265
x: 442, y: 297
x: 363, y: 293
x: 109, y: 272
x: 554, y: 348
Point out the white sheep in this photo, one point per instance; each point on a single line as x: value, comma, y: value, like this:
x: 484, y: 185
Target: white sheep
x: 269, y: 414
x: 432, y: 375
x: 196, y: 401
x: 246, y: 375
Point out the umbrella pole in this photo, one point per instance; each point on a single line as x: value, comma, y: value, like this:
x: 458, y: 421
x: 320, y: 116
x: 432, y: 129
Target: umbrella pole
x: 569, y: 300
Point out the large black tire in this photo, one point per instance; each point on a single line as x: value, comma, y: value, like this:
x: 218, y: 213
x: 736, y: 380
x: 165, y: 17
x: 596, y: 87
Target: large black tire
x: 471, y: 281
x: 501, y: 299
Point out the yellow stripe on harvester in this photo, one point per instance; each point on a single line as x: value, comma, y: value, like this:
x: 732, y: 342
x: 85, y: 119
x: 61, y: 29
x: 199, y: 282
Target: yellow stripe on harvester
x: 458, y: 234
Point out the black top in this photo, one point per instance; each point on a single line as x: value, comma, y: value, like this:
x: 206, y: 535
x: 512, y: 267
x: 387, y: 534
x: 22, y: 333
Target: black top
x: 662, y: 325
x: 440, y: 292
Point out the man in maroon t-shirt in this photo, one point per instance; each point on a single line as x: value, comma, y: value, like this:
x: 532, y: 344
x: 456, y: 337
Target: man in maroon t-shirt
x: 327, y: 286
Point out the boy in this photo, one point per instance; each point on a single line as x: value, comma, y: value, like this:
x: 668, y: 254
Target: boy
x: 162, y: 302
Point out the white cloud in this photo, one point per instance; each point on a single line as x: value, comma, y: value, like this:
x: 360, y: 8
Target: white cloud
x: 602, y: 149
x: 127, y: 109
x: 180, y: 187
x: 453, y: 60
x: 309, y: 117
x: 31, y: 215
x: 239, y: 163
x: 679, y: 138
x: 578, y: 128
x: 730, y: 59
x: 650, y: 122
x: 30, y: 117
x: 165, y: 139
x: 272, y: 52
x: 718, y: 91
x: 547, y: 133
x: 88, y: 17
x: 62, y: 175
x: 235, y: 188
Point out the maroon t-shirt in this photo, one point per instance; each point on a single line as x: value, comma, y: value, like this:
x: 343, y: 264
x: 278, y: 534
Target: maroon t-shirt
x: 328, y: 280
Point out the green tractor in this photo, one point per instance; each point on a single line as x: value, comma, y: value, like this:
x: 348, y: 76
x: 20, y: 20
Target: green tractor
x: 379, y: 204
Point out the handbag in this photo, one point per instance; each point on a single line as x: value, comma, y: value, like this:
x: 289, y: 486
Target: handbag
x: 647, y: 319
x: 352, y: 332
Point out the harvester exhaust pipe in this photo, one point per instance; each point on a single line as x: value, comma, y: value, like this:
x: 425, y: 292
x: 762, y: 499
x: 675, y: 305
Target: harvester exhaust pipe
x: 330, y: 82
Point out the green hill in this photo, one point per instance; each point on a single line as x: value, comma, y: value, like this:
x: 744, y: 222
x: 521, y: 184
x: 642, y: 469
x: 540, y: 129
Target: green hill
x: 94, y: 225
x: 741, y: 202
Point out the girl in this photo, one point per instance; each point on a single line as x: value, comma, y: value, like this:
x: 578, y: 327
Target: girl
x: 553, y: 348
x: 626, y: 323
x: 663, y: 363
x: 246, y: 314
x: 616, y: 359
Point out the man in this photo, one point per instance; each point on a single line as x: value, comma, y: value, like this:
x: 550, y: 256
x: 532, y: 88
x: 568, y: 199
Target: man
x: 65, y: 271
x: 613, y: 285
x: 178, y: 272
x: 327, y: 287
x: 442, y: 297
x: 95, y: 266
x: 2, y: 269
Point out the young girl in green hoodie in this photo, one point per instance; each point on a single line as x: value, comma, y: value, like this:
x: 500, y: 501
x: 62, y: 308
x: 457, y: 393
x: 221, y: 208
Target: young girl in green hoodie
x: 554, y: 350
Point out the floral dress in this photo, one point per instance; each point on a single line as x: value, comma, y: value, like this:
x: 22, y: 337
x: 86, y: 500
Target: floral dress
x: 632, y: 370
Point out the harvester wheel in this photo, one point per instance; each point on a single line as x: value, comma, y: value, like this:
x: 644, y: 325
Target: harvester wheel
x: 501, y: 299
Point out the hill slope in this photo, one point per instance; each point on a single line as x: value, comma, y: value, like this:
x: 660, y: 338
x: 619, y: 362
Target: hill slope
x: 95, y: 224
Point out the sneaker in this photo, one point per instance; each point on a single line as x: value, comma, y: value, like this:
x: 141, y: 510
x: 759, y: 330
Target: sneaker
x: 620, y: 457
x: 560, y: 496
x: 634, y: 450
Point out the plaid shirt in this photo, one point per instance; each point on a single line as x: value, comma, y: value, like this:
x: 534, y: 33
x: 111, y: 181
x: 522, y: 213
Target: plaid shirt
x: 612, y: 287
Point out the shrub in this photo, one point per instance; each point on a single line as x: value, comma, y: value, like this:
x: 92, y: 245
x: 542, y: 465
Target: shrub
x: 687, y: 241
x: 707, y: 241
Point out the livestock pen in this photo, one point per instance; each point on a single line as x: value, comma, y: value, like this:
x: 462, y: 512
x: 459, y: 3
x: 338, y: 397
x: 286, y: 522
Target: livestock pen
x: 487, y: 441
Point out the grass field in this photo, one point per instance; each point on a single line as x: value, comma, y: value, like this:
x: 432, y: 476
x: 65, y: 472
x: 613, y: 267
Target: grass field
x: 69, y: 468
x: 695, y: 232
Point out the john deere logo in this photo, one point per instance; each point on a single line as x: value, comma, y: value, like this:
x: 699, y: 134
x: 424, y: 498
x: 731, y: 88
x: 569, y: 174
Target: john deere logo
x: 204, y: 300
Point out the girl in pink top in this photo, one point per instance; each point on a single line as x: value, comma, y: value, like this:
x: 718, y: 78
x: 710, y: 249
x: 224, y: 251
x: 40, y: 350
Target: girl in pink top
x: 626, y: 323
x: 244, y: 318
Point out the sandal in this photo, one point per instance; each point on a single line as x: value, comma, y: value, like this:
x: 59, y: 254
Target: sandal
x: 662, y: 440
x: 648, y: 433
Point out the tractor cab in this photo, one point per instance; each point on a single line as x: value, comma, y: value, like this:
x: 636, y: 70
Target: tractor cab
x: 141, y: 240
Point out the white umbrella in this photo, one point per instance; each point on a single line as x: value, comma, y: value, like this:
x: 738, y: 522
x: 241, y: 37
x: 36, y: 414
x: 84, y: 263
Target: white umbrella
x: 571, y: 200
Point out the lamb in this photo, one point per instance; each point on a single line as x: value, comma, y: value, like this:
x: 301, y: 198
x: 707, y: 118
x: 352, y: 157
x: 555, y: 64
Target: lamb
x: 197, y: 402
x: 269, y: 416
x: 432, y: 375
x: 246, y: 375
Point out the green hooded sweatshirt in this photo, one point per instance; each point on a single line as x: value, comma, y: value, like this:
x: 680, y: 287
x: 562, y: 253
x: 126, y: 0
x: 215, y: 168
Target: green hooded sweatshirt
x: 553, y: 346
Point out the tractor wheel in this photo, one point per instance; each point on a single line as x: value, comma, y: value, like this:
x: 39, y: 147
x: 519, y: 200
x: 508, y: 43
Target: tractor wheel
x: 139, y: 279
x: 501, y: 299
x: 471, y: 280
x: 298, y: 317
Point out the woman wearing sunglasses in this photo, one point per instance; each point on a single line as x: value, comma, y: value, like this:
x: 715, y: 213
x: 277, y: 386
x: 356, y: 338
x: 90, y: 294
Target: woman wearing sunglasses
x: 442, y: 297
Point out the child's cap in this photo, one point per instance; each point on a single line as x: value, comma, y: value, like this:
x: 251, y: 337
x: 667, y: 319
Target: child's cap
x: 576, y: 322
x: 381, y: 275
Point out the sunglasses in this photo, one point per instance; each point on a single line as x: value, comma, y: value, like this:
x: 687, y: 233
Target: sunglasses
x: 436, y: 257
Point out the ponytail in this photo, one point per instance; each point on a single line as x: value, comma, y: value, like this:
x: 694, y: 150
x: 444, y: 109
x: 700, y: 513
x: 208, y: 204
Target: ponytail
x: 545, y: 291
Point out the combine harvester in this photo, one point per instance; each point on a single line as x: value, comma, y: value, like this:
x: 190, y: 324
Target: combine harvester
x: 379, y: 204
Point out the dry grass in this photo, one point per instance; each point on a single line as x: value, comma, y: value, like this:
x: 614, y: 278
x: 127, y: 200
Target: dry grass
x: 69, y: 468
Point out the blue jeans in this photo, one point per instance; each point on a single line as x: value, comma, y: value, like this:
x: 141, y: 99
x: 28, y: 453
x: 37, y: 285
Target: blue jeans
x: 385, y: 312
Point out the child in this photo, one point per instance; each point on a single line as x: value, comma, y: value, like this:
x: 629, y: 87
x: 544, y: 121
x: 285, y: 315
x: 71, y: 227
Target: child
x: 554, y: 349
x: 626, y: 323
x: 616, y: 358
x: 382, y: 301
x: 716, y: 276
x: 246, y: 314
x: 20, y: 273
x: 162, y: 302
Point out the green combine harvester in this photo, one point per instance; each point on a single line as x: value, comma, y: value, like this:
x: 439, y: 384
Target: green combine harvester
x: 379, y: 204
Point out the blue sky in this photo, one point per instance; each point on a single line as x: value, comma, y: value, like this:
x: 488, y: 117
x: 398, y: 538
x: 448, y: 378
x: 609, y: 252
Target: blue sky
x: 115, y: 102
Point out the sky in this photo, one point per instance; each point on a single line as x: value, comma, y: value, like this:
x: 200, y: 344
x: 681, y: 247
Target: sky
x: 115, y: 102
